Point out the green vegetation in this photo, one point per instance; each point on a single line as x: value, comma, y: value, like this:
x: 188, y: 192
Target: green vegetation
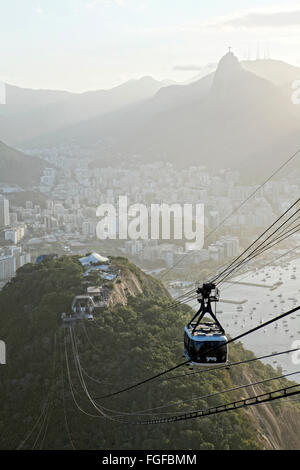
x: 124, y: 345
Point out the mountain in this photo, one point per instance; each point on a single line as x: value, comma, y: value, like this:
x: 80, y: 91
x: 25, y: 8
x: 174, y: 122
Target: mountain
x: 19, y: 168
x: 281, y: 74
x: 276, y: 71
x: 24, y: 100
x: 230, y: 118
x: 31, y: 113
x: 202, y: 72
x: 112, y: 130
x: 45, y: 405
x: 237, y: 118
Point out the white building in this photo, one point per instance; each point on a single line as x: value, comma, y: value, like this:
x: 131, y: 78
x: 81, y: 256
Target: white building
x: 4, y: 212
x: 214, y: 252
x: 24, y: 259
x: 11, y: 235
x: 7, y: 267
x: 231, y: 247
x: 48, y: 177
x: 15, y: 234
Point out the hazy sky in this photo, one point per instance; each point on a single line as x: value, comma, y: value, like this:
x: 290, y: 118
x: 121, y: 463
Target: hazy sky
x: 79, y: 45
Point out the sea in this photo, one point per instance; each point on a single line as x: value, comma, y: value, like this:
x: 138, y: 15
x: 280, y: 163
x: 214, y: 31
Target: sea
x: 262, y: 295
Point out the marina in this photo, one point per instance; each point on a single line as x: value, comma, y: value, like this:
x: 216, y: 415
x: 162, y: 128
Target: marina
x: 255, y: 306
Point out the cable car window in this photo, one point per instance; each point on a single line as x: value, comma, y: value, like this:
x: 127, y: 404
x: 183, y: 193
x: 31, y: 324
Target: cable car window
x: 199, y: 349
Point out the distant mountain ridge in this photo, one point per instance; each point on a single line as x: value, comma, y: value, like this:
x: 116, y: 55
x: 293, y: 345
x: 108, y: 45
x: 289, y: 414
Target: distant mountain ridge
x: 230, y: 118
x: 29, y: 114
x: 276, y: 71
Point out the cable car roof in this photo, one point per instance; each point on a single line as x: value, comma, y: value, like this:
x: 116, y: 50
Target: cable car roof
x: 205, y: 333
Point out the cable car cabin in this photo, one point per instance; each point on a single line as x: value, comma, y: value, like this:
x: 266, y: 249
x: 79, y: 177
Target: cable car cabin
x: 199, y: 346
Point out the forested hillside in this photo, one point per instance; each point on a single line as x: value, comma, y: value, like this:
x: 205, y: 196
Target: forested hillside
x: 46, y: 404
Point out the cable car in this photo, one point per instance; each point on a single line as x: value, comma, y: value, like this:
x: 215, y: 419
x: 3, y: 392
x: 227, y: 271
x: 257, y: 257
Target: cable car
x: 205, y: 342
x: 208, y: 345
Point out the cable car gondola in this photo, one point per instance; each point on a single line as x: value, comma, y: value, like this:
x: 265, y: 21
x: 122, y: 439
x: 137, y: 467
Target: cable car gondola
x: 205, y: 342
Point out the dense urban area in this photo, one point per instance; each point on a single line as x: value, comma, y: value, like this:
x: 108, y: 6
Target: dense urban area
x: 59, y: 216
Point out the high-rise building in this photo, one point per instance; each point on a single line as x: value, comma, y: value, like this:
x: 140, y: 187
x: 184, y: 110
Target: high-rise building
x: 4, y: 212
x: 7, y: 267
x: 15, y: 234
